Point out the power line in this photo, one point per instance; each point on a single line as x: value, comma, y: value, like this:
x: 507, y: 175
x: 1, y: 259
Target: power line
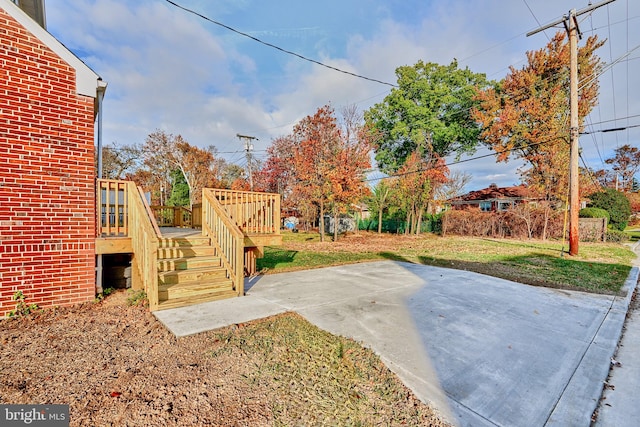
x: 457, y: 162
x: 534, y: 17
x: 614, y: 120
x: 288, y: 52
x: 610, y: 129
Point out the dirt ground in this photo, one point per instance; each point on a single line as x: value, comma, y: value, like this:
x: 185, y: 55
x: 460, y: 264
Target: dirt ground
x: 116, y: 365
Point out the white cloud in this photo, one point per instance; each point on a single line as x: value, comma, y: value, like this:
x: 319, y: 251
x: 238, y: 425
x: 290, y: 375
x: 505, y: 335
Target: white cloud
x: 171, y: 70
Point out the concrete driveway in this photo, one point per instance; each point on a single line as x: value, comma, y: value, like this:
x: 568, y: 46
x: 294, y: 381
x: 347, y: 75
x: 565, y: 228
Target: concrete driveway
x: 483, y: 351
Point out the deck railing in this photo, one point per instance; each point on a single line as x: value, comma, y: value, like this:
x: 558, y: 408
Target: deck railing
x: 254, y: 213
x: 227, y: 238
x: 172, y: 216
x: 113, y: 216
x: 124, y: 212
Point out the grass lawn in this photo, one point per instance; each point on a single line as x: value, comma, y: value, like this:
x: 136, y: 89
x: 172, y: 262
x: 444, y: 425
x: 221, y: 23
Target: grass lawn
x: 599, y: 267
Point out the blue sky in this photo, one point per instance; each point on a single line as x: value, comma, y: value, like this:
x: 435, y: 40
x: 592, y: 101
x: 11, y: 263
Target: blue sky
x: 168, y: 69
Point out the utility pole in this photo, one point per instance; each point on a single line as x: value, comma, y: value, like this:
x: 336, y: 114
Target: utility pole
x: 570, y: 22
x: 248, y: 147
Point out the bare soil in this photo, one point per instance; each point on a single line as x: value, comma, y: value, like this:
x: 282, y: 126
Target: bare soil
x: 116, y: 365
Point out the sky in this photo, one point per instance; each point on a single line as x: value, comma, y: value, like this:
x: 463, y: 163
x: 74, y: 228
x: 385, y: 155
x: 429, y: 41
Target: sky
x: 172, y: 70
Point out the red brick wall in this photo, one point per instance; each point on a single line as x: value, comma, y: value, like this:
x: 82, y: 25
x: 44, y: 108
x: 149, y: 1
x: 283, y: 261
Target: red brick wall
x: 46, y: 175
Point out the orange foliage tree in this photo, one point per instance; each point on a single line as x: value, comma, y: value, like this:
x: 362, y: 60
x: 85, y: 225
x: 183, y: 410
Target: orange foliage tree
x: 527, y: 114
x: 320, y: 167
x: 416, y: 181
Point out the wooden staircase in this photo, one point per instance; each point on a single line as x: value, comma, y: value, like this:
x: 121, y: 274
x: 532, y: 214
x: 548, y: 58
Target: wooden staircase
x: 189, y: 272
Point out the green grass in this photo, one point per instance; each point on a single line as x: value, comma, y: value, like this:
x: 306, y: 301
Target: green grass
x: 634, y: 235
x: 277, y: 258
x: 599, y: 267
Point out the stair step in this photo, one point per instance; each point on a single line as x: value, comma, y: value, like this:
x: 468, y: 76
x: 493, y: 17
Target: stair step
x: 193, y: 289
x: 183, y: 302
x: 169, y: 242
x: 185, y: 252
x: 191, y: 275
x: 172, y: 264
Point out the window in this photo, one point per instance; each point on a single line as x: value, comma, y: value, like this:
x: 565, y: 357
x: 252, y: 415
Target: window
x: 485, y: 206
x: 503, y: 206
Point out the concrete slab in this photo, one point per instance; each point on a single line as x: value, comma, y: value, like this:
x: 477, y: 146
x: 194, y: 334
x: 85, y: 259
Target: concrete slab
x: 620, y: 402
x: 484, y: 351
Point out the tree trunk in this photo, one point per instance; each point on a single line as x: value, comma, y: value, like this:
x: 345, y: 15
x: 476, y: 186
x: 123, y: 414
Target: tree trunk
x: 321, y: 221
x: 335, y: 226
x: 408, y: 222
x: 419, y: 224
x: 380, y: 221
x: 546, y: 222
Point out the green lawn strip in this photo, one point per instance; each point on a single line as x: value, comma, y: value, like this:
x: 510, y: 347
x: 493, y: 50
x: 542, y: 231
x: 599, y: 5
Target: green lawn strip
x: 279, y: 259
x: 599, y: 267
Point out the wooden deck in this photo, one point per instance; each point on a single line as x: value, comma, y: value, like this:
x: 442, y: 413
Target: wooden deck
x: 178, y: 265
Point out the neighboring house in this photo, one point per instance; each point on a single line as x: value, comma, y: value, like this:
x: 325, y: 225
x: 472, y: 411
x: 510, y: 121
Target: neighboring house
x: 492, y: 198
x: 49, y: 100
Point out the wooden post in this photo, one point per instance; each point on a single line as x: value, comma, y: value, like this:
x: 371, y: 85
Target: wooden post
x: 571, y: 24
x: 574, y: 189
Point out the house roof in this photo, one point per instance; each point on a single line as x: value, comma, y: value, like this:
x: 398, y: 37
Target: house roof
x: 493, y: 192
x: 88, y: 83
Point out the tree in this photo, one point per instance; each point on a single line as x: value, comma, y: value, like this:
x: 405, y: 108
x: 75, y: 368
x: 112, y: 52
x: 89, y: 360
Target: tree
x: 163, y: 153
x: 278, y: 174
x: 616, y: 204
x: 179, y: 190
x: 526, y: 115
x: 415, y: 183
x: 328, y: 164
x: 432, y: 101
x: 379, y: 199
x: 625, y: 164
x: 118, y: 161
x: 320, y: 167
x: 454, y: 187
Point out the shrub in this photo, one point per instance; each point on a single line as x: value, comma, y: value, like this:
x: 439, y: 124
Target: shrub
x: 528, y: 221
x: 594, y: 213
x: 616, y: 236
x: 616, y: 204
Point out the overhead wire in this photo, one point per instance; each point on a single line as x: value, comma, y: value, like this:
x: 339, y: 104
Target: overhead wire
x: 365, y: 77
x: 273, y: 46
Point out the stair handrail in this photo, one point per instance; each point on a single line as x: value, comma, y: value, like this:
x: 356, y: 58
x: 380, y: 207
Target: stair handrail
x: 226, y: 237
x: 254, y: 212
x: 144, y: 233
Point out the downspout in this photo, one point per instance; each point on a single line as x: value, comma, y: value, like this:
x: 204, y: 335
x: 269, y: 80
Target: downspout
x: 102, y: 87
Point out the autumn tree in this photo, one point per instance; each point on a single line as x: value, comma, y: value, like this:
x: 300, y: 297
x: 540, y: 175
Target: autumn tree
x: 453, y: 187
x: 328, y: 164
x: 433, y: 100
x: 164, y: 152
x: 415, y: 183
x: 625, y: 164
x: 277, y: 174
x: 320, y: 167
x: 527, y: 114
x: 120, y: 160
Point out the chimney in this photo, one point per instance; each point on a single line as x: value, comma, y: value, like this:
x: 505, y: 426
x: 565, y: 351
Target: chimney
x: 35, y: 9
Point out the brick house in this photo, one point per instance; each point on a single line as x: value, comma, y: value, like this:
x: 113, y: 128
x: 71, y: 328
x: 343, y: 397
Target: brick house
x: 492, y: 198
x: 49, y: 101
